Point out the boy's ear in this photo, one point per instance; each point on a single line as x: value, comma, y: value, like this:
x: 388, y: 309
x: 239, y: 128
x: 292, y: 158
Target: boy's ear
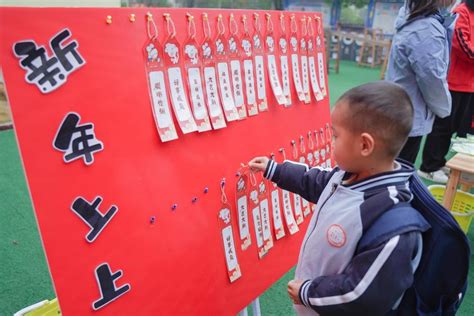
x: 367, y: 143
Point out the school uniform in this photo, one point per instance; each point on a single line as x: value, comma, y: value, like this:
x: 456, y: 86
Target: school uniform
x: 339, y: 278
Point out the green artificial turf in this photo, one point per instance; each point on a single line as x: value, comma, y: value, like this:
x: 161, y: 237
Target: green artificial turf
x: 24, y: 276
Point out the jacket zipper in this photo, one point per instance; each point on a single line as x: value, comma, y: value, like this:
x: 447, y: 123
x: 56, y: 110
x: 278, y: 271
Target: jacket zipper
x: 333, y: 189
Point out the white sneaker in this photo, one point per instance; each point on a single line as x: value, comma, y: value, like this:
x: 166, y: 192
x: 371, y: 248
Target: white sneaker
x: 436, y: 176
x: 446, y: 170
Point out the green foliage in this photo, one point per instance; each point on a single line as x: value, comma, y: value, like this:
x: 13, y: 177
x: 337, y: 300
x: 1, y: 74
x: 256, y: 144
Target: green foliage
x: 346, y: 3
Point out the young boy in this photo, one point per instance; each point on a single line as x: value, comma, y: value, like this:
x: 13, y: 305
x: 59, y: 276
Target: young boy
x: 333, y: 277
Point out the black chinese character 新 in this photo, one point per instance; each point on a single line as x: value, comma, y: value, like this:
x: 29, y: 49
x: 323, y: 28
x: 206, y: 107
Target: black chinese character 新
x: 77, y: 141
x: 90, y: 214
x: 108, y: 290
x: 49, y: 73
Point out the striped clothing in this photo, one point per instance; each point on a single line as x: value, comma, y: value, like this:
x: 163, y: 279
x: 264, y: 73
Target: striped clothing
x: 337, y: 279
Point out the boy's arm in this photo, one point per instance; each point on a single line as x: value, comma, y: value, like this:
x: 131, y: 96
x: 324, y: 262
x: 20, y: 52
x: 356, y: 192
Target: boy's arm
x: 371, y: 284
x: 299, y: 178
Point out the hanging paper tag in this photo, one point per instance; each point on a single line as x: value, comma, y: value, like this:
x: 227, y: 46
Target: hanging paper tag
x: 250, y: 88
x: 316, y: 153
x: 257, y: 220
x: 154, y: 65
x: 230, y: 111
x: 277, y: 221
x: 312, y: 63
x: 197, y: 97
x: 328, y: 146
x: 319, y: 49
x: 233, y: 268
x: 265, y: 213
x: 310, y: 155
x: 271, y: 62
x: 259, y: 66
x: 323, y: 148
x: 288, y: 213
x: 242, y: 207
x: 322, y: 80
x: 215, y: 111
x: 285, y: 69
x: 179, y: 100
x: 237, y: 84
x: 192, y: 64
x: 259, y: 232
x: 275, y: 81
x: 314, y: 81
x: 261, y: 90
x: 296, y: 198
x: 235, y: 56
x: 305, y: 204
x: 226, y: 93
x: 304, y: 61
x: 295, y: 67
x: 298, y: 208
x: 161, y: 111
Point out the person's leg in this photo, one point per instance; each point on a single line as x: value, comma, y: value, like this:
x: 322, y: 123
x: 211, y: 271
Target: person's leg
x: 410, y: 149
x: 439, y: 140
x: 466, y: 115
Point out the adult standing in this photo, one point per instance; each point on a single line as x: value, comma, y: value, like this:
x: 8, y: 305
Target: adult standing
x: 461, y: 86
x: 418, y: 61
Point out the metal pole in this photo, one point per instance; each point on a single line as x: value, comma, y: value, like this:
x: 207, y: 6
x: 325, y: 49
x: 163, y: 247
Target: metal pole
x: 256, y: 307
x: 244, y: 312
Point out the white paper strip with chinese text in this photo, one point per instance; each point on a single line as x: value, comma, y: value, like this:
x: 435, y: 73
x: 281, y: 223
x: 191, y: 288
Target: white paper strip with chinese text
x: 244, y: 231
x: 288, y: 213
x: 322, y: 80
x: 277, y: 221
x: 298, y: 209
x: 230, y: 111
x: 237, y: 85
x: 295, y: 66
x: 314, y: 79
x: 233, y: 268
x: 275, y: 81
x: 259, y: 232
x: 285, y: 78
x: 261, y: 87
x: 197, y: 100
x: 213, y: 101
x: 250, y: 87
x: 267, y: 233
x: 180, y: 101
x: 161, y: 109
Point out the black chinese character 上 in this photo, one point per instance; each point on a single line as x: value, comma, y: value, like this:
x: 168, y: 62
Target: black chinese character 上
x: 108, y: 290
x: 90, y: 214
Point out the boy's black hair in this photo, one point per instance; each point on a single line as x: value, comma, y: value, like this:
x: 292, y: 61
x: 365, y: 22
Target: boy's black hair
x: 382, y: 109
x: 469, y: 4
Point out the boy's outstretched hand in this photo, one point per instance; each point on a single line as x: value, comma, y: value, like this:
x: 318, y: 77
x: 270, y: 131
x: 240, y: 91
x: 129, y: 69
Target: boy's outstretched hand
x: 294, y: 290
x: 258, y: 164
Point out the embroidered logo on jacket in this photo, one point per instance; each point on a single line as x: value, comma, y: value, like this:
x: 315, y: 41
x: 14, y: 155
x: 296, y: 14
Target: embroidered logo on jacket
x: 336, y: 236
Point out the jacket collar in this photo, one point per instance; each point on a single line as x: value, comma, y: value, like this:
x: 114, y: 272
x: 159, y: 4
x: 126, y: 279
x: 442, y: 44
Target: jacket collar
x: 400, y: 176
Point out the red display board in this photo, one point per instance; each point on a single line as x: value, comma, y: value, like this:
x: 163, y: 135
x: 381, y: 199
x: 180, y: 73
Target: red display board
x: 159, y: 247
